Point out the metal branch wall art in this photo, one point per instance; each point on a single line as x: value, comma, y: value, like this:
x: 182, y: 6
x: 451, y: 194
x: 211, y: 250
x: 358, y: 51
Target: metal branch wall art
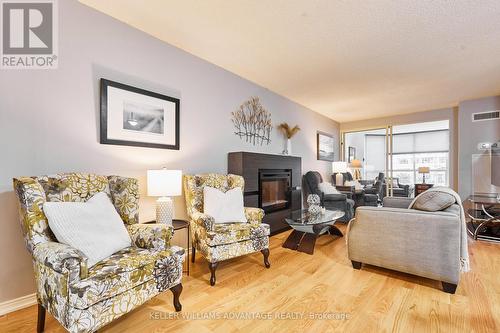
x: 252, y: 122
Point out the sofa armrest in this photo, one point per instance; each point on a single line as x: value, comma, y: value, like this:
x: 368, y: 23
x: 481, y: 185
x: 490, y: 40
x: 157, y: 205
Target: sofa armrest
x: 370, y: 190
x: 203, y: 220
x: 63, y: 259
x: 335, y: 197
x: 416, y: 242
x: 151, y: 235
x: 254, y: 215
x: 397, y: 202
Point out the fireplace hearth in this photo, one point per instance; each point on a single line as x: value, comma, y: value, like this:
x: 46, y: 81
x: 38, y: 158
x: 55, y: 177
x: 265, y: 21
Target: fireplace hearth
x: 272, y: 182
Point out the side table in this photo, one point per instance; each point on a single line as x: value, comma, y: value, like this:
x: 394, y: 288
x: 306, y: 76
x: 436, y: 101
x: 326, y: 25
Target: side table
x: 178, y: 225
x: 419, y: 188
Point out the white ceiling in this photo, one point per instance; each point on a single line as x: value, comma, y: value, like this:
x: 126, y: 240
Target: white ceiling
x: 347, y: 59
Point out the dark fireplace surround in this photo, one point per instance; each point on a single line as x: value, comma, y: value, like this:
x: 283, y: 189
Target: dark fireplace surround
x: 272, y: 182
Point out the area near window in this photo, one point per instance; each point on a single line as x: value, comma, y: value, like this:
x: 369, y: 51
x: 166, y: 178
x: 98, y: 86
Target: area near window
x: 413, y: 146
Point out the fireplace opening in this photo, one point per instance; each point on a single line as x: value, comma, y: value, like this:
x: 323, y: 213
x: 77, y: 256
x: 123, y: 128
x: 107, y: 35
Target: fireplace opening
x: 274, y: 189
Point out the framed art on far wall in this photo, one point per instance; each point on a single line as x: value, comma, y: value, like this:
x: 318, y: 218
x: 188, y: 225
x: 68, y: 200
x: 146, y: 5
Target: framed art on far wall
x: 132, y: 116
x: 352, y: 154
x: 325, y: 146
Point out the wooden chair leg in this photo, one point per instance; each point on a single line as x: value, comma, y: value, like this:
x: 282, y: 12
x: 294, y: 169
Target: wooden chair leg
x: 176, y: 290
x: 193, y: 253
x: 40, y: 325
x: 212, y: 266
x: 356, y: 264
x: 265, y: 252
x: 449, y: 288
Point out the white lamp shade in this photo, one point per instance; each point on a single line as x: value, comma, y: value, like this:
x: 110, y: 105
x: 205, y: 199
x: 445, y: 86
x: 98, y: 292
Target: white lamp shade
x: 164, y: 183
x: 339, y: 167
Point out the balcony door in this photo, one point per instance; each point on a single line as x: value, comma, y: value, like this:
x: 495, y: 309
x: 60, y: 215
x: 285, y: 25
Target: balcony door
x: 398, y: 151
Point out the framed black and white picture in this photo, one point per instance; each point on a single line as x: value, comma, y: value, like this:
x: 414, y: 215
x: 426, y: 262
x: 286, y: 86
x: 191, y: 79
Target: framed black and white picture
x: 352, y: 154
x: 325, y: 146
x: 132, y: 116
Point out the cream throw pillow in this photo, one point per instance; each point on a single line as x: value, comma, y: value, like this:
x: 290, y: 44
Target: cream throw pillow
x: 93, y: 227
x: 433, y: 201
x: 357, y: 185
x: 327, y: 188
x: 224, y: 207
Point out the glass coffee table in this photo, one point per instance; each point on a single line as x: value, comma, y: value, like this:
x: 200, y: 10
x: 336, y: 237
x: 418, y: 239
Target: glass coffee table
x: 307, y: 227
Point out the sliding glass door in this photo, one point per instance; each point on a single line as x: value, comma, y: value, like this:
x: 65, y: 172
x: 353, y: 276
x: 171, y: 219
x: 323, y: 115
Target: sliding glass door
x: 399, y: 151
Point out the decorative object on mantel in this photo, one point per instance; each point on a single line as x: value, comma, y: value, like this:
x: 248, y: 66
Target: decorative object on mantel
x: 314, y: 201
x: 135, y: 117
x: 324, y: 146
x: 164, y: 184
x: 423, y: 170
x: 289, y: 132
x: 253, y: 122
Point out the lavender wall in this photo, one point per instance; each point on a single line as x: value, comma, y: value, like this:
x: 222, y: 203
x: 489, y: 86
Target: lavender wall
x: 49, y: 119
x: 472, y: 133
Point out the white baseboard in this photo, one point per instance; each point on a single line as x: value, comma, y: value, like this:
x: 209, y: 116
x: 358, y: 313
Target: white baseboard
x: 17, y: 304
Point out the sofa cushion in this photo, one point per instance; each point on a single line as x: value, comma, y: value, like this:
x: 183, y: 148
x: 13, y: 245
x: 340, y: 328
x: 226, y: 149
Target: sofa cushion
x: 433, y: 201
x: 122, y: 271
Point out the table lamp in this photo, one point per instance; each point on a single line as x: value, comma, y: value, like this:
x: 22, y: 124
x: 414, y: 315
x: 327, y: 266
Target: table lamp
x: 339, y: 168
x: 164, y: 184
x: 356, y: 165
x: 423, y: 171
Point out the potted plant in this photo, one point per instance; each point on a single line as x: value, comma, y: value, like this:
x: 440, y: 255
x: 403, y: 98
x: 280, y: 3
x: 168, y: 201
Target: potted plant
x: 289, y: 132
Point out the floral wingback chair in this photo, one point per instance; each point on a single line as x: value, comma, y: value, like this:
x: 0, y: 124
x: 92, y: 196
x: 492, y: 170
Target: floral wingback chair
x: 82, y: 298
x: 222, y: 241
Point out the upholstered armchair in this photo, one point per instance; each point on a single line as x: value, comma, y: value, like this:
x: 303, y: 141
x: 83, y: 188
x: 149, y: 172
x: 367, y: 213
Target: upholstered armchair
x: 311, y: 181
x: 376, y: 189
x: 83, y: 298
x: 399, y: 190
x: 221, y: 241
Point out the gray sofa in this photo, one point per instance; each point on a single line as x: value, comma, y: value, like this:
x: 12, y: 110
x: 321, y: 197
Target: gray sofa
x: 341, y: 202
x: 418, y: 242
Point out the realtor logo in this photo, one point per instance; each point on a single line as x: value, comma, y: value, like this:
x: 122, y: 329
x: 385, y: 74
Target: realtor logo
x: 29, y: 35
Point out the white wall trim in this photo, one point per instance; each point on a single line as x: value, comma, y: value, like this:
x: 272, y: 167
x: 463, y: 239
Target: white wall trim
x: 17, y: 304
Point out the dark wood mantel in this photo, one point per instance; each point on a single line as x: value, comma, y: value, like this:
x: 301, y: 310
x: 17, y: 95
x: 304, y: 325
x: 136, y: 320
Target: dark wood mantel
x: 248, y: 164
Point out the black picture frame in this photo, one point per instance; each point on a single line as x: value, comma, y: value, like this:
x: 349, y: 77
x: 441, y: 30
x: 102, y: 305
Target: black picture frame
x: 352, y: 154
x: 104, y: 84
x: 321, y: 153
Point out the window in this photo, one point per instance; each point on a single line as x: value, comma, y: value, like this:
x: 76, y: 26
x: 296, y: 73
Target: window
x: 427, y: 148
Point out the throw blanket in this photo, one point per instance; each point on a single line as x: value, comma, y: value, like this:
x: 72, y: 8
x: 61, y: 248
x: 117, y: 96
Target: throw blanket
x: 464, y: 251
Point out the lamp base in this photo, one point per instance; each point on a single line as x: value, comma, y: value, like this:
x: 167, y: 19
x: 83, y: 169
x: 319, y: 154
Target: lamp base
x: 357, y: 174
x: 164, y: 210
x: 339, y: 179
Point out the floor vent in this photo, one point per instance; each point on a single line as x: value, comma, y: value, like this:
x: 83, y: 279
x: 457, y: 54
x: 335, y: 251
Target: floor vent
x: 488, y: 115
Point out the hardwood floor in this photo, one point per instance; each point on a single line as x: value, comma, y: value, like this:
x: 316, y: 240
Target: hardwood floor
x: 374, y: 299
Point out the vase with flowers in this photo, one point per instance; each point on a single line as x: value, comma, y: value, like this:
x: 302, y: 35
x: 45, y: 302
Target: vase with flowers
x: 289, y: 132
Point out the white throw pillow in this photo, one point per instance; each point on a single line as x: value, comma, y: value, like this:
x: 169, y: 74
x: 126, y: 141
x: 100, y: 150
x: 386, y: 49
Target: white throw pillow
x: 357, y: 185
x: 224, y: 207
x: 93, y: 227
x: 327, y: 188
